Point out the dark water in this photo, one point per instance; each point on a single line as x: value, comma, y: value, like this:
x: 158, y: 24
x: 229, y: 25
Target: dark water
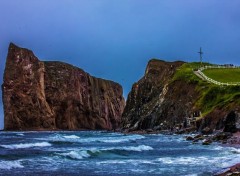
x: 102, y: 153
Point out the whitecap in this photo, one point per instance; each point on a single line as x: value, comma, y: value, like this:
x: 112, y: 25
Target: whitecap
x: 191, y: 160
x: 119, y: 139
x: 75, y: 138
x: 75, y: 154
x: 138, y: 170
x: 166, y: 160
x: 112, y: 162
x: 129, y: 161
x: 20, y: 134
x: 138, y: 148
x: 127, y: 148
x: 86, y: 152
x: 234, y: 150
x: 218, y: 148
x: 10, y: 165
x: 71, y: 137
x: 27, y: 145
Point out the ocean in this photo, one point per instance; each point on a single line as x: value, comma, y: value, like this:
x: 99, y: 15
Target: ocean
x: 106, y: 153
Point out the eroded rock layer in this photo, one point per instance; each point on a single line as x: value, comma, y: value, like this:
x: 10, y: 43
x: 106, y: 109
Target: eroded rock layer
x: 161, y: 100
x: 54, y: 95
x: 153, y: 100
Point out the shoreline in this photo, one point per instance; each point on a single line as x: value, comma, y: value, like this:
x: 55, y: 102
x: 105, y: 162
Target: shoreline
x: 233, y: 170
x: 233, y: 141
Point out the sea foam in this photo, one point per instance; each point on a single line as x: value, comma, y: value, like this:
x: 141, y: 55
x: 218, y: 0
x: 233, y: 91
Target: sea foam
x: 75, y: 138
x: 120, y: 139
x: 71, y: 137
x: 85, y: 153
x: 191, y: 160
x: 137, y: 149
x: 10, y: 165
x: 75, y: 154
x: 126, y: 148
x: 27, y: 145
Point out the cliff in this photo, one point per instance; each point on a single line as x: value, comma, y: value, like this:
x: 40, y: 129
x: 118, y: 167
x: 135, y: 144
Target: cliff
x: 171, y: 97
x: 54, y: 95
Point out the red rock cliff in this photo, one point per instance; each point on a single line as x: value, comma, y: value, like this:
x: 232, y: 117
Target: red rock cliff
x: 54, y: 95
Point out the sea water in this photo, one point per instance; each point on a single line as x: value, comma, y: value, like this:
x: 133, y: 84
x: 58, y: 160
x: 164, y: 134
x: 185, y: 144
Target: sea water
x: 104, y: 153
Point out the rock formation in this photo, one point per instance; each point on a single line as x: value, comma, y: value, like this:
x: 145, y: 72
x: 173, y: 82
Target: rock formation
x: 162, y: 101
x: 155, y: 102
x: 54, y: 95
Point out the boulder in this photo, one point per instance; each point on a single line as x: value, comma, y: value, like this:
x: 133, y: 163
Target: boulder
x: 189, y: 138
x: 206, y: 142
x: 207, y: 131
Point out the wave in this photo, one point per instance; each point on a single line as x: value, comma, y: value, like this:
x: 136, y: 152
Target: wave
x: 110, y: 139
x: 234, y: 150
x: 218, y: 148
x: 81, y: 154
x: 120, y: 139
x: 27, y: 145
x: 75, y: 154
x: 71, y: 137
x: 10, y: 165
x: 20, y: 134
x: 136, y: 161
x: 126, y: 148
x: 192, y: 160
x: 138, y: 148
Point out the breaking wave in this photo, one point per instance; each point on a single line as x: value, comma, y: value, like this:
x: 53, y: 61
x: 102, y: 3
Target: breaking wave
x: 27, y: 145
x: 110, y: 139
x: 194, y: 161
x: 81, y: 154
x: 71, y: 137
x: 121, y: 139
x: 10, y: 165
x: 75, y: 154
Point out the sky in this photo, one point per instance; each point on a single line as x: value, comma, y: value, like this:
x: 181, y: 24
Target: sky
x: 114, y: 39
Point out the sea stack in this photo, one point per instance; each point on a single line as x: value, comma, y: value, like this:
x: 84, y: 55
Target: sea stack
x: 53, y: 95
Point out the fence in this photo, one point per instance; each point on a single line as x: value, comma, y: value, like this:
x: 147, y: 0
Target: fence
x: 199, y: 71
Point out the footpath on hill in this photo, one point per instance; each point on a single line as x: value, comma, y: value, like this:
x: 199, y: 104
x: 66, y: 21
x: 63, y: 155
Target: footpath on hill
x: 203, y: 76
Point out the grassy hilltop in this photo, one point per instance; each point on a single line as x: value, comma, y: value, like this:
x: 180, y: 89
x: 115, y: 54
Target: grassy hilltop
x: 224, y: 75
x: 212, y: 96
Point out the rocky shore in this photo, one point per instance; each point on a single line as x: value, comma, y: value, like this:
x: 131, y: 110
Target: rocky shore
x: 232, y: 171
x: 226, y: 139
x: 168, y: 99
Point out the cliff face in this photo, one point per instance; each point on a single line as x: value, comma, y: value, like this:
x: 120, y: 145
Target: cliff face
x: 55, y: 95
x: 154, y: 100
x: 164, y: 100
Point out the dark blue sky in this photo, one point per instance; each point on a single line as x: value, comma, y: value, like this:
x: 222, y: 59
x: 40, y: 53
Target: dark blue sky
x: 114, y: 39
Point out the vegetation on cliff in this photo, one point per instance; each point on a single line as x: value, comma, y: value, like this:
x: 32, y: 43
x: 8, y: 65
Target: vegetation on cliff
x: 170, y: 96
x: 224, y: 75
x: 211, y: 96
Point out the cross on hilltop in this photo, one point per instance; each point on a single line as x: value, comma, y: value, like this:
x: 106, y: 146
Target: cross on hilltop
x: 201, y: 53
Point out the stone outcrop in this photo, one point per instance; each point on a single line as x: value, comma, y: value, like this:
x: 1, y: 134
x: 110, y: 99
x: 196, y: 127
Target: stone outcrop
x: 154, y: 101
x: 159, y: 101
x: 54, y: 95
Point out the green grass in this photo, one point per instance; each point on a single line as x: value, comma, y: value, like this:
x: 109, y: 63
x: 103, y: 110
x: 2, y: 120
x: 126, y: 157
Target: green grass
x: 217, y: 96
x: 185, y: 72
x: 211, y: 96
x: 223, y: 74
